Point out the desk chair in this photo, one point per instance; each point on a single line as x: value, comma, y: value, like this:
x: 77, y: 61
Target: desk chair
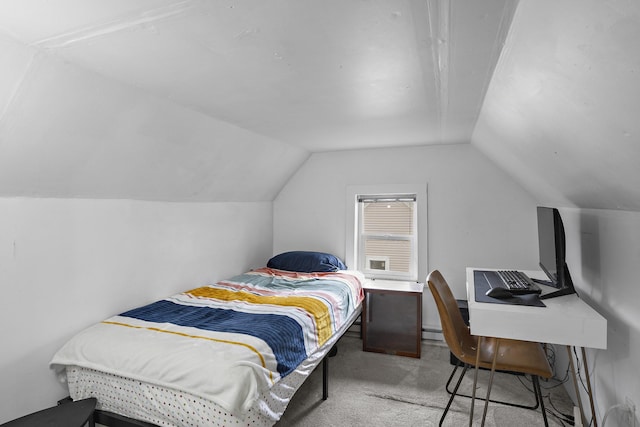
x: 485, y: 352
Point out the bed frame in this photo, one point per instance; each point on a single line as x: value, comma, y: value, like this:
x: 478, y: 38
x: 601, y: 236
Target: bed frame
x: 114, y: 420
x: 111, y: 419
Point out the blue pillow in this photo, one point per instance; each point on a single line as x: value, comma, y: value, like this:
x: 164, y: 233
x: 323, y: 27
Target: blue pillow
x: 306, y: 262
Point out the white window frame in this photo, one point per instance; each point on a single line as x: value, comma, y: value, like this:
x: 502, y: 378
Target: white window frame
x: 352, y: 232
x: 363, y: 236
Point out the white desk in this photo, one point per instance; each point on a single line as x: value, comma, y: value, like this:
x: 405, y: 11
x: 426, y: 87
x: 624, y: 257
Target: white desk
x: 566, y: 320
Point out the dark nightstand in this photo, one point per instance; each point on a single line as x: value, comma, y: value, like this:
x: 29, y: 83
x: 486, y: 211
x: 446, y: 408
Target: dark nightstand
x: 392, y: 317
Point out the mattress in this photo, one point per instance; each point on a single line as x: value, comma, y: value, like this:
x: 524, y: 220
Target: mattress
x: 164, y: 406
x: 268, y: 387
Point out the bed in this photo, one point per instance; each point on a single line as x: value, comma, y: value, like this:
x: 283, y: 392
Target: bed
x: 231, y: 353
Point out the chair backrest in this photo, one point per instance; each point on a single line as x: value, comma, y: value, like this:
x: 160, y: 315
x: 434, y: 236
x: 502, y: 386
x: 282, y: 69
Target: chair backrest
x: 456, y: 333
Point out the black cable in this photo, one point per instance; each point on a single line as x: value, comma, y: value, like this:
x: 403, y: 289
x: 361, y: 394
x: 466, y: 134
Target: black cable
x: 524, y: 380
x: 579, y: 365
x: 579, y: 375
x: 551, y: 357
x: 567, y: 417
x: 562, y: 419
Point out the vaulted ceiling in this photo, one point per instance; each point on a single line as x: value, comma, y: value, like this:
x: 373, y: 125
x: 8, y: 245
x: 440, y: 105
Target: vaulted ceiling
x: 320, y: 75
x: 563, y: 108
x: 223, y: 100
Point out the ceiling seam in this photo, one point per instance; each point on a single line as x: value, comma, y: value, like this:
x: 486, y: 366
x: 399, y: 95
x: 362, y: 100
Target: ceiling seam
x: 16, y: 89
x: 439, y: 12
x: 114, y: 26
x: 506, y: 19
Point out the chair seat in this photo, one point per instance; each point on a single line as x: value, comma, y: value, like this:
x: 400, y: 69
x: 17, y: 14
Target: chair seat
x: 513, y: 355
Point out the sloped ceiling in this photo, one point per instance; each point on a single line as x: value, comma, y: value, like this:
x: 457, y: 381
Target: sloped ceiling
x: 562, y: 114
x: 223, y: 100
x: 195, y: 100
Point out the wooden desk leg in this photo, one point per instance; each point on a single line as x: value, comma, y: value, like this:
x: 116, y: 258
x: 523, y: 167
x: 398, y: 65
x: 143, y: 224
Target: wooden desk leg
x: 586, y: 372
x: 576, y: 385
x: 493, y: 371
x: 475, y: 382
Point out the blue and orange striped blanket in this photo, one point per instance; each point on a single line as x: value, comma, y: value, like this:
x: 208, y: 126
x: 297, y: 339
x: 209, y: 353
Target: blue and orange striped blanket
x: 226, y: 342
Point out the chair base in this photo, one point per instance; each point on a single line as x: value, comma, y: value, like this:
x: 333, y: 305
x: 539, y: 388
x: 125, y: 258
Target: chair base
x: 516, y: 405
x: 537, y: 391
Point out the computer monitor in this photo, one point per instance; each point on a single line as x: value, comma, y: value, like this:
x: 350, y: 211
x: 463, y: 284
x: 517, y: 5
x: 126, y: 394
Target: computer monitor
x: 552, y: 247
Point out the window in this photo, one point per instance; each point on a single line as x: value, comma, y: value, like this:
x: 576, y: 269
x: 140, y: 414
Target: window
x: 387, y: 244
x: 381, y: 264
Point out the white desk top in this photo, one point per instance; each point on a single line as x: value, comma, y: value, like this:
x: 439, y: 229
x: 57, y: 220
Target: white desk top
x: 566, y: 320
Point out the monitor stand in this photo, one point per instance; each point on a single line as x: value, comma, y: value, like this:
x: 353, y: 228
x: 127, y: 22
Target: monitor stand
x: 560, y: 292
x: 567, y: 289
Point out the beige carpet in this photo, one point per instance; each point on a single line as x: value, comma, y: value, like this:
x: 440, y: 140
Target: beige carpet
x: 371, y: 389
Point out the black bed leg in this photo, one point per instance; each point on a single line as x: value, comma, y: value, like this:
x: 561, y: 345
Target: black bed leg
x: 325, y: 372
x: 325, y: 378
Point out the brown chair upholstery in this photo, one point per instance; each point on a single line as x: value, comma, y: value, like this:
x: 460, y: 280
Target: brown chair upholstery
x: 496, y: 354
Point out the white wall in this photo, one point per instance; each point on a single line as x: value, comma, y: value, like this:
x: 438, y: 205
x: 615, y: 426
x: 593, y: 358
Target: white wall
x: 67, y: 263
x: 603, y: 250
x: 477, y: 215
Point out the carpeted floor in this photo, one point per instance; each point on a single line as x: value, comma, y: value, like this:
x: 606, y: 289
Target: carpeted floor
x: 371, y: 389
